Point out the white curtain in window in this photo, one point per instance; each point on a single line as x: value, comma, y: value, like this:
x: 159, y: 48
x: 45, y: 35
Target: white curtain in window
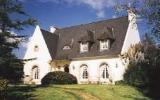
x: 84, y: 47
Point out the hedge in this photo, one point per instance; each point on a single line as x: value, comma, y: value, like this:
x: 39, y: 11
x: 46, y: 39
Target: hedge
x: 59, y: 77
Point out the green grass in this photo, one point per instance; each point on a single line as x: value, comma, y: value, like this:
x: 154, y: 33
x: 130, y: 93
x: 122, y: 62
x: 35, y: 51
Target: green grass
x: 77, y: 92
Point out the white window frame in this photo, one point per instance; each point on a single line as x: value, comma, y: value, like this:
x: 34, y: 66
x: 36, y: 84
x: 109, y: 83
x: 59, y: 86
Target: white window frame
x: 104, y: 45
x: 84, y: 73
x: 84, y: 47
x: 104, y: 73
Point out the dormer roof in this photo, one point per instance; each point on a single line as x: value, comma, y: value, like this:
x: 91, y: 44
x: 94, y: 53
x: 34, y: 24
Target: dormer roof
x: 88, y: 37
x: 108, y: 33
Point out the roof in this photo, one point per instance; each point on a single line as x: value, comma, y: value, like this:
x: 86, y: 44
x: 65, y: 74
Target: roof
x: 107, y: 34
x: 51, y: 41
x: 88, y: 37
x: 113, y: 28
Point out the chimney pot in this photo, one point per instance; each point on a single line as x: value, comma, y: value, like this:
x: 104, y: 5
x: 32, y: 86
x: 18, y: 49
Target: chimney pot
x: 52, y: 29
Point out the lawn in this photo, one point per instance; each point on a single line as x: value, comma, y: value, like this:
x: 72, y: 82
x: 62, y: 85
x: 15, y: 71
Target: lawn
x: 76, y: 92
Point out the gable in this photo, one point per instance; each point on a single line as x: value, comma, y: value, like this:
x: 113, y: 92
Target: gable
x: 132, y: 37
x: 37, y: 40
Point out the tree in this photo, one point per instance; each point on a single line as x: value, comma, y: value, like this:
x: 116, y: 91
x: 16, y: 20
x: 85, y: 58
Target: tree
x: 148, y: 10
x: 143, y: 67
x: 10, y: 66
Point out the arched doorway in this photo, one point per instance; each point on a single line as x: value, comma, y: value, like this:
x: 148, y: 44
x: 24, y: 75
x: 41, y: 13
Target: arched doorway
x: 84, y: 73
x: 104, y: 75
x: 35, y: 72
x: 66, y: 68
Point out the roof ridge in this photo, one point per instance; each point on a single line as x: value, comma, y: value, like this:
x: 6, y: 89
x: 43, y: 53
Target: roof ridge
x: 47, y: 32
x: 110, y: 19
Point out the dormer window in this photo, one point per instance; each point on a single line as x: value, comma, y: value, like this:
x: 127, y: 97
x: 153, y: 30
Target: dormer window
x: 104, y: 45
x: 83, y: 47
x: 36, y: 49
x: 86, y: 41
x: 66, y: 47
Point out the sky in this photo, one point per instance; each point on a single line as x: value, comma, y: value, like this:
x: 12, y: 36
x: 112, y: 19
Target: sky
x: 62, y: 13
x: 65, y: 13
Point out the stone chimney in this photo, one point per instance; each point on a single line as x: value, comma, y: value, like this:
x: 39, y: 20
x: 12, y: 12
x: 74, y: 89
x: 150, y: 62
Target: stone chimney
x: 52, y: 29
x: 131, y: 15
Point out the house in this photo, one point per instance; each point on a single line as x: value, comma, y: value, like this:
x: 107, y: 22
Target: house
x: 90, y: 52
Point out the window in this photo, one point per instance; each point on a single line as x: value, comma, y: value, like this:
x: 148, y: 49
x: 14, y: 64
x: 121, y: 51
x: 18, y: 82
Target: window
x: 104, y: 71
x: 36, y: 48
x: 116, y: 65
x: 84, y: 47
x: 35, y: 72
x: 104, y: 45
x: 66, y: 47
x: 73, y: 67
x: 84, y: 72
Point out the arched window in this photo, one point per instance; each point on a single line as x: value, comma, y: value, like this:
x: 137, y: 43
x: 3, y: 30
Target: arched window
x: 35, y: 72
x: 84, y: 72
x: 104, y: 71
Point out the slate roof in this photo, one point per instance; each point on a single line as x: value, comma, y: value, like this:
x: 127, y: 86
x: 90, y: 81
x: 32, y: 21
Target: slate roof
x: 115, y: 29
x: 108, y: 34
x: 88, y: 37
x: 51, y: 41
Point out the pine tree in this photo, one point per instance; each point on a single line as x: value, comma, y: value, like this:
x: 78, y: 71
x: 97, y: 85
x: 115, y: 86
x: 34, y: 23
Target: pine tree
x: 10, y: 66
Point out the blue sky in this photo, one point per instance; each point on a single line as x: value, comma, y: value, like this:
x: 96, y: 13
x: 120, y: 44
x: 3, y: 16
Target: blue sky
x: 64, y: 13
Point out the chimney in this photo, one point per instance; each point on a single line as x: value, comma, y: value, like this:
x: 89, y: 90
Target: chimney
x: 52, y: 29
x: 131, y: 15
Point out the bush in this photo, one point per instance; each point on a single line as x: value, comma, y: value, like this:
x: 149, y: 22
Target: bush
x: 59, y: 77
x: 137, y: 74
x: 144, y: 72
x: 121, y: 82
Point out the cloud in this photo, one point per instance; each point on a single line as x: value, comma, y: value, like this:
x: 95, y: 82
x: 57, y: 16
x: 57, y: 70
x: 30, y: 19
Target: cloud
x: 114, y: 16
x: 100, y: 14
x: 99, y: 6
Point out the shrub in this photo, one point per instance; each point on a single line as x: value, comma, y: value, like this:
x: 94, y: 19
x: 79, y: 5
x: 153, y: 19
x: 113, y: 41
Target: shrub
x: 121, y: 82
x: 58, y: 77
x: 144, y: 72
x: 137, y: 74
